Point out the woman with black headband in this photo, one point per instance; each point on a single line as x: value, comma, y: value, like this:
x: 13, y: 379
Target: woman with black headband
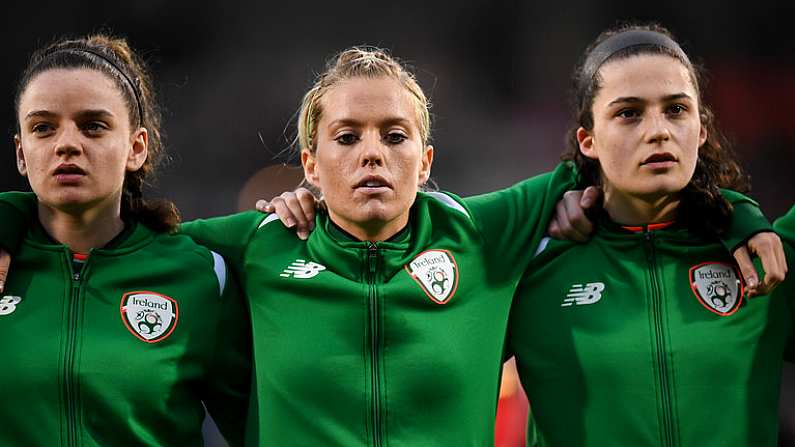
x: 644, y: 336
x: 394, y: 286
x: 114, y: 331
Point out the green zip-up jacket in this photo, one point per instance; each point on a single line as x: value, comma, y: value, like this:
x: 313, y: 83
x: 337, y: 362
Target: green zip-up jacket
x: 397, y: 343
x: 645, y: 339
x: 124, y: 351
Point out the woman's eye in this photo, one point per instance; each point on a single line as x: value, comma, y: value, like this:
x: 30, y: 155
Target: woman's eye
x: 42, y: 128
x: 347, y: 139
x: 94, y: 127
x: 676, y: 109
x: 628, y: 113
x: 395, y: 138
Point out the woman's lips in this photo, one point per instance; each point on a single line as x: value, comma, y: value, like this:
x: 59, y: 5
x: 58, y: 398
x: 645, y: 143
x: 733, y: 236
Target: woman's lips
x: 660, y: 164
x: 69, y: 174
x: 663, y: 160
x: 372, y: 184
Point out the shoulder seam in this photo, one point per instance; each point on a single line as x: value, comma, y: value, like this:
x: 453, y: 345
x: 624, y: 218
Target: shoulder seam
x: 270, y: 218
x: 450, y: 202
x: 219, y: 266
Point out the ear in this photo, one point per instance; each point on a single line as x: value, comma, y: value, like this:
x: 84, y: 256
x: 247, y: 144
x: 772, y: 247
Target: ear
x: 309, y: 162
x: 21, y: 165
x: 139, y: 150
x: 425, y: 165
x: 586, y: 141
x: 702, y: 135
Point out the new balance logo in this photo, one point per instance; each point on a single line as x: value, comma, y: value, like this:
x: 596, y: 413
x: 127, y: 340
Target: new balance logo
x: 587, y: 294
x: 302, y: 269
x: 8, y: 304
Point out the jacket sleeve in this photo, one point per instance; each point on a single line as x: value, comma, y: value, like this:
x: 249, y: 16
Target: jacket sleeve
x: 227, y: 235
x: 747, y: 220
x: 513, y: 221
x: 17, y: 211
x: 227, y: 388
x: 785, y: 227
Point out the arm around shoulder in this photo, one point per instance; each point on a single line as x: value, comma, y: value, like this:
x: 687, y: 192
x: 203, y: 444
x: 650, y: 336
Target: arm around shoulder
x: 17, y: 211
x: 747, y: 220
x: 226, y: 235
x: 514, y: 220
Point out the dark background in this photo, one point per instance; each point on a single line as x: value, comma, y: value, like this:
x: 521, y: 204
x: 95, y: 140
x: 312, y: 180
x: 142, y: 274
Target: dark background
x: 231, y: 76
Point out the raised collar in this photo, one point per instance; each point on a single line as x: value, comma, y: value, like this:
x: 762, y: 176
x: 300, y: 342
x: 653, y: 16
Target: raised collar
x: 133, y: 236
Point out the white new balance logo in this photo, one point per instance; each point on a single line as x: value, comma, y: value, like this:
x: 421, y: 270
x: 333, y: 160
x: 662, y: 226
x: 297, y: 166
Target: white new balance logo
x: 302, y: 269
x: 587, y: 294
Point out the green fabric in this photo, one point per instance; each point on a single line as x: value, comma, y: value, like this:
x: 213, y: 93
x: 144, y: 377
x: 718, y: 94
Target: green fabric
x: 76, y: 373
x: 227, y: 235
x: 17, y: 210
x: 785, y: 227
x: 747, y: 220
x: 350, y: 357
x: 647, y: 363
x: 351, y: 349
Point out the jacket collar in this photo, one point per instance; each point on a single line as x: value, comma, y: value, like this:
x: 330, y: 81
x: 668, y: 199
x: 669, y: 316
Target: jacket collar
x: 349, y: 257
x: 134, y: 236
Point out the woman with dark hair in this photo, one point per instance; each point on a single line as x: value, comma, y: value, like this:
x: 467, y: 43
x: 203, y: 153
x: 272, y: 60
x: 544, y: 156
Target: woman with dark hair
x: 394, y: 289
x: 116, y: 332
x: 351, y: 324
x: 644, y: 335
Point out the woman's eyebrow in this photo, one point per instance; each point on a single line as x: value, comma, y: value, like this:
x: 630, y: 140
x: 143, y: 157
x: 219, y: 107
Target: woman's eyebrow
x: 626, y: 99
x: 636, y: 100
x: 95, y: 113
x: 40, y: 114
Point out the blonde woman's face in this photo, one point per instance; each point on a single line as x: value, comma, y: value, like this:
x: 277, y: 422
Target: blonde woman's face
x: 369, y: 160
x: 647, y: 128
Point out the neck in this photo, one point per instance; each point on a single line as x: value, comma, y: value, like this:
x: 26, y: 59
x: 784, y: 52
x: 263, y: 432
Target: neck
x: 82, y: 230
x: 371, y: 231
x: 640, y: 210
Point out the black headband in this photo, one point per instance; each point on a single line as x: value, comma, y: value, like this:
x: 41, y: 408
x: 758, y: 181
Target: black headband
x: 629, y: 39
x: 109, y: 62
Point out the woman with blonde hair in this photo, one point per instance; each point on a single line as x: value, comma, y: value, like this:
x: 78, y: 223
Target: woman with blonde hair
x: 387, y: 325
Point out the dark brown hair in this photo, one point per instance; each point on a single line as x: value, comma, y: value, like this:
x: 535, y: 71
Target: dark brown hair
x: 114, y: 57
x: 702, y: 207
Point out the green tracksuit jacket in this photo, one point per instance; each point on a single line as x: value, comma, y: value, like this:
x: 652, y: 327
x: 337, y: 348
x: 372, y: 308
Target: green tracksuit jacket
x: 645, y: 339
x: 123, y: 352
x: 397, y: 343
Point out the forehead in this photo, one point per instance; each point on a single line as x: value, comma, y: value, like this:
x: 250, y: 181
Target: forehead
x: 644, y: 76
x: 369, y: 99
x: 65, y: 90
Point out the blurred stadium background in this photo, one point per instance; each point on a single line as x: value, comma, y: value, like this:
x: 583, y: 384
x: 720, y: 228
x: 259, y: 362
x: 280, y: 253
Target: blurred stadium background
x: 231, y: 76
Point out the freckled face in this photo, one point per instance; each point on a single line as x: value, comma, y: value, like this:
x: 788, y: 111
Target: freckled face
x: 647, y: 128
x: 75, y: 142
x: 369, y: 159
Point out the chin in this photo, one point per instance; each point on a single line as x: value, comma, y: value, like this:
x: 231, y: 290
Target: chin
x: 660, y: 190
x: 375, y: 214
x: 70, y: 200
x: 662, y: 184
